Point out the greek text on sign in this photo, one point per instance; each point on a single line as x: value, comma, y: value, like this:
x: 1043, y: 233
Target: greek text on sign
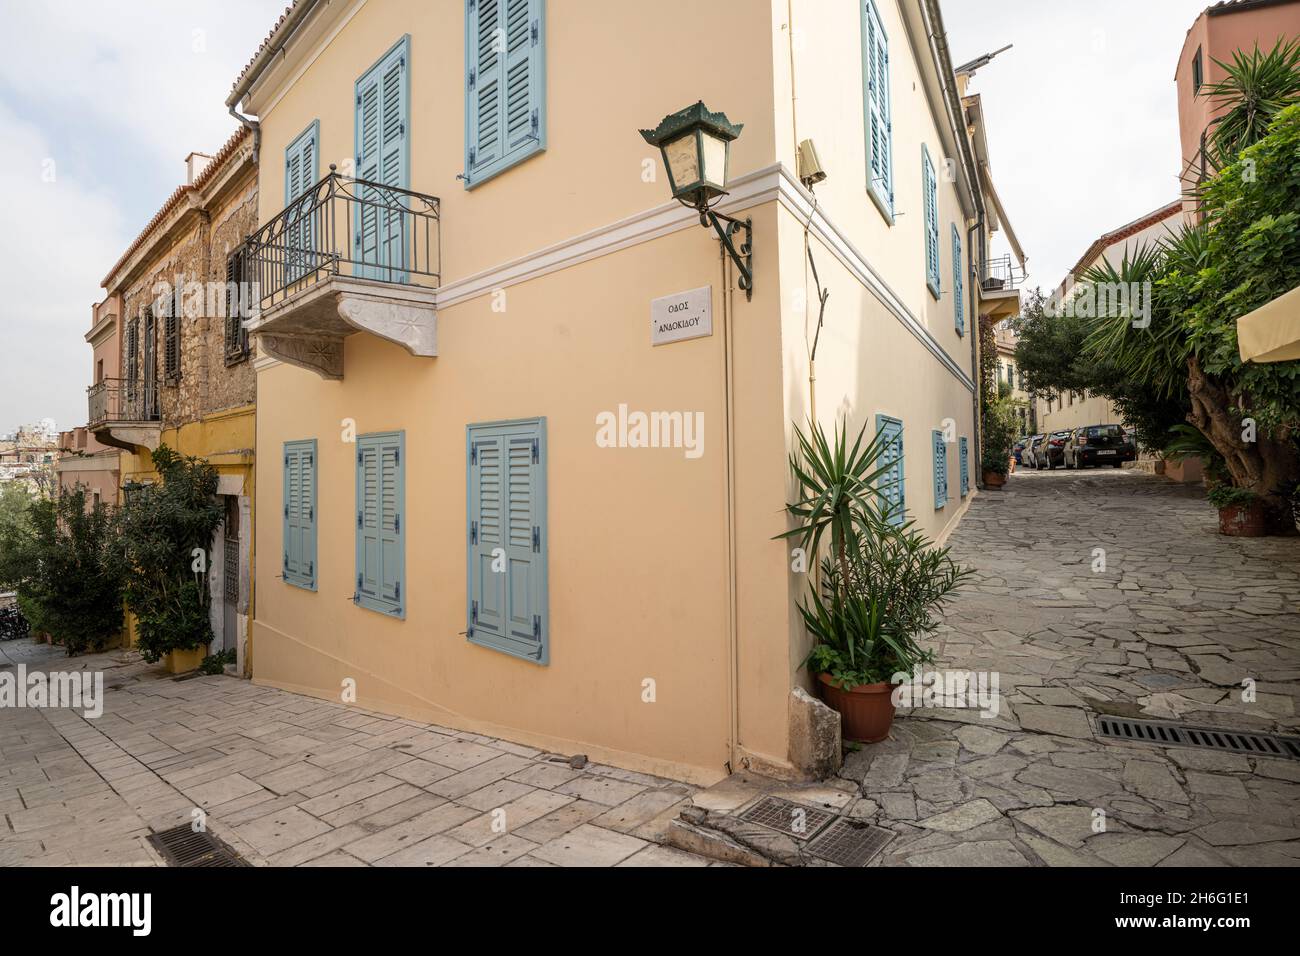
x: 686, y: 315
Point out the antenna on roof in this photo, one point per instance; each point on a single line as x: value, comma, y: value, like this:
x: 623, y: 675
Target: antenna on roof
x: 980, y: 61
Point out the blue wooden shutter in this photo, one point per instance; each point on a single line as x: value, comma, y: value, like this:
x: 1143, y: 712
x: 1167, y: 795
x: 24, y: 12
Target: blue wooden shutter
x: 507, y: 606
x: 930, y: 187
x: 892, y: 486
x: 505, y: 108
x: 301, y: 161
x: 382, y: 130
x: 381, y: 533
x: 940, y: 469
x: 878, y: 124
x: 958, y: 283
x: 965, y: 467
x: 300, y: 513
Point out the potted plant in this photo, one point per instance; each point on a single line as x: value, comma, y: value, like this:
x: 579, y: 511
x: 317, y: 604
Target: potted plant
x: 995, y: 467
x: 1000, y: 427
x: 166, y: 530
x: 879, y: 583
x: 1241, y: 511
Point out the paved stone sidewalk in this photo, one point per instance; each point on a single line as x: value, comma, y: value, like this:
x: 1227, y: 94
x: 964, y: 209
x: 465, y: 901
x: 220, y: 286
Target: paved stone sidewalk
x: 1177, y: 620
x: 290, y: 780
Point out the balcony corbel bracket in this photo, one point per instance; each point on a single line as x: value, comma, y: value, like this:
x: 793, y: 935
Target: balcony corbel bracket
x: 322, y: 354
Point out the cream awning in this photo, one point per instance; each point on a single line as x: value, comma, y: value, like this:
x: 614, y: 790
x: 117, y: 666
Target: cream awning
x: 1272, y: 332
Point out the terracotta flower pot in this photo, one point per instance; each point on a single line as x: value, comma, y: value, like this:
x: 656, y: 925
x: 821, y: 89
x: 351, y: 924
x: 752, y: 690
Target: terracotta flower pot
x: 994, y: 479
x: 866, y: 710
x: 1243, y: 520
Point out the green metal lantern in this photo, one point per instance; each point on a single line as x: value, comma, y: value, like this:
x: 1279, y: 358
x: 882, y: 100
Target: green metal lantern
x: 696, y: 148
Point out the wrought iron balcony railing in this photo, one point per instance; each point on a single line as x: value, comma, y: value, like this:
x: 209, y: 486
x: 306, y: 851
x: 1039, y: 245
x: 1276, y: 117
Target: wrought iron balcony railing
x: 122, y: 400
x: 1001, y: 274
x: 345, y: 227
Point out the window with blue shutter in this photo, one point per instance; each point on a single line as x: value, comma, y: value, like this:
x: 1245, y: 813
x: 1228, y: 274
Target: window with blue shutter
x: 940, y: 469
x: 964, y: 461
x: 930, y: 191
x: 876, y: 112
x: 958, y: 284
x: 891, y: 484
x: 300, y: 513
x: 507, y: 538
x: 382, y: 157
x: 301, y: 169
x: 381, y: 515
x: 505, y: 86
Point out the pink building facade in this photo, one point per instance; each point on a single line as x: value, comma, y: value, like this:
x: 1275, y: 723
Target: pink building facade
x: 83, y: 460
x: 1216, y: 34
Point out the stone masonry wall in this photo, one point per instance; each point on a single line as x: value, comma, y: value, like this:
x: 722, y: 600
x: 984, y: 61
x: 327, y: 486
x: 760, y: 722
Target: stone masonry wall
x: 206, y: 383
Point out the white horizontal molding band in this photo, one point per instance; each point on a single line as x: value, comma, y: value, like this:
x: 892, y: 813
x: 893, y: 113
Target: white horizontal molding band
x: 772, y: 183
x: 798, y: 201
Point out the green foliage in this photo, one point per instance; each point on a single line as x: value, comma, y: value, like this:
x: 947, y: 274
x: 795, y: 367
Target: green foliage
x: 880, y: 582
x: 837, y: 487
x: 1223, y: 496
x: 1256, y: 88
x: 163, y: 526
x: 1251, y: 256
x: 1001, y: 428
x: 59, y: 556
x: 15, y: 531
x: 1048, y: 349
x: 869, y: 626
x: 216, y: 663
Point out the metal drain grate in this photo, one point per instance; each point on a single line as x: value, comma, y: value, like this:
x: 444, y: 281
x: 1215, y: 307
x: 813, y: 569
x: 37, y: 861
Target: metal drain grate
x: 850, y: 844
x: 181, y: 846
x: 1165, y: 734
x: 784, y: 816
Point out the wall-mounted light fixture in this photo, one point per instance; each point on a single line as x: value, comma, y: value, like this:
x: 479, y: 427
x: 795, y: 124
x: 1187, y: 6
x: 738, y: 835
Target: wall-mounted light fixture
x: 696, y: 148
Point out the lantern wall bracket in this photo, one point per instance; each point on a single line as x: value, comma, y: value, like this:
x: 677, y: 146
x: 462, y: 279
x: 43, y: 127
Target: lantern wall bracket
x: 744, y: 258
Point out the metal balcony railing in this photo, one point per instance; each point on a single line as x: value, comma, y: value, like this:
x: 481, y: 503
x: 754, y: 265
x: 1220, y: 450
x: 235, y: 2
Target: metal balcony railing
x: 345, y: 227
x: 121, y: 400
x: 1001, y: 274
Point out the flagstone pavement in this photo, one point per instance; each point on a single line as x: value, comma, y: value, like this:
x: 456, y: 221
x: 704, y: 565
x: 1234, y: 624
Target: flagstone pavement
x: 1100, y: 592
x: 289, y: 780
x: 1166, y: 620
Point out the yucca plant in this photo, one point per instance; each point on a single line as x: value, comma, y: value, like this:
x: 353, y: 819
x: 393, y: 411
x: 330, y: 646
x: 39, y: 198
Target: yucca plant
x: 1257, y: 87
x: 839, y: 489
x: 868, y: 620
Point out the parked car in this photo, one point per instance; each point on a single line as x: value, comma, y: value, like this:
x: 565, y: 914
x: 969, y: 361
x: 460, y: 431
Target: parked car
x: 1027, y: 451
x: 1099, y: 445
x: 1050, y: 452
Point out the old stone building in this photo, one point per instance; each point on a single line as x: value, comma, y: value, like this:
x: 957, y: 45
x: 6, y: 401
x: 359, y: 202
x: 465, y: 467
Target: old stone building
x: 185, y: 377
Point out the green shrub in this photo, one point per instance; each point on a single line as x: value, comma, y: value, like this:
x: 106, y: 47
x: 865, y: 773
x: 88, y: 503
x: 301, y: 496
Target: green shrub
x: 60, y: 557
x: 166, y: 530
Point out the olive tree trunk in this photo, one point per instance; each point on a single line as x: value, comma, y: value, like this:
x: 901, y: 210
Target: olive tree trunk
x: 1268, y: 466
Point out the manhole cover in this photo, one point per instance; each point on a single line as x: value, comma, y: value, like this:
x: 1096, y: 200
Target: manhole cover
x: 850, y: 844
x: 181, y: 846
x: 1165, y: 734
x: 784, y: 816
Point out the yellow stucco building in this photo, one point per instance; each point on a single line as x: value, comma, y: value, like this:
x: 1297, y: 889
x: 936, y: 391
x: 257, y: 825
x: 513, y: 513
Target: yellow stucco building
x: 522, y: 448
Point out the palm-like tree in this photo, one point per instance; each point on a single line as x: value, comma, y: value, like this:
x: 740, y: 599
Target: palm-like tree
x: 1257, y: 86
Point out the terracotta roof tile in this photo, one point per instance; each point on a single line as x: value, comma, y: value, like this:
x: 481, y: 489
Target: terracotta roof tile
x: 265, y: 43
x: 1126, y: 232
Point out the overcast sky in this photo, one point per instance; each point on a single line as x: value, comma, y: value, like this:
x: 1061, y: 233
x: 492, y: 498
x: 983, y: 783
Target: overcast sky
x: 100, y: 101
